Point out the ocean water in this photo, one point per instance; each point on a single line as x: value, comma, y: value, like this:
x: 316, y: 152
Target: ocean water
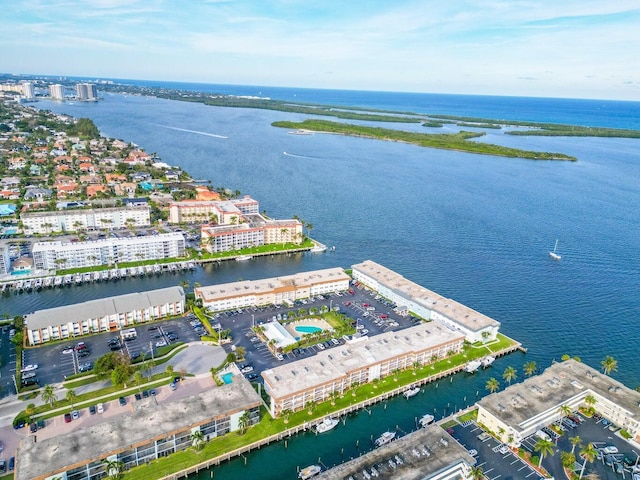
x: 475, y: 228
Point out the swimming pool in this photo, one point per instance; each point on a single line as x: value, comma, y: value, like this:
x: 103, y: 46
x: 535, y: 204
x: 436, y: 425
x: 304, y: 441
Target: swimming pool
x: 307, y: 329
x: 226, y: 378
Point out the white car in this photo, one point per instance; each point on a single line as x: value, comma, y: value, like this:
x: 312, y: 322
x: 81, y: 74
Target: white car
x: 161, y: 343
x: 364, y: 332
x: 320, y: 346
x: 503, y: 449
x: 67, y: 350
x: 100, y: 408
x: 29, y: 368
x: 473, y: 452
x: 247, y: 369
x: 609, y: 449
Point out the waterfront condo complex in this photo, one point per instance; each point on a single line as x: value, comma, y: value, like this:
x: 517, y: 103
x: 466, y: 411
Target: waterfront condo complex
x: 152, y: 430
x: 523, y: 408
x: 103, y: 315
x: 315, y: 379
x: 107, y: 251
x: 424, y: 303
x: 274, y: 291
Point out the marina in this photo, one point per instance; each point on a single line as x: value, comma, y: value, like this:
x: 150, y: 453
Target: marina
x: 114, y: 274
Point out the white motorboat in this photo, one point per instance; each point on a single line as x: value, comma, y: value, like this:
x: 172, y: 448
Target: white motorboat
x: 243, y: 258
x: 553, y: 253
x: 310, y: 471
x: 385, y: 438
x: 426, y: 419
x: 411, y: 392
x: 327, y: 424
x: 472, y: 366
x: 487, y: 361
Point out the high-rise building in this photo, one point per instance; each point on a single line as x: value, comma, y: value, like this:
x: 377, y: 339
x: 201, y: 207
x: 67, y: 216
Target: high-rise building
x: 56, y: 92
x: 86, y: 91
x: 28, y: 90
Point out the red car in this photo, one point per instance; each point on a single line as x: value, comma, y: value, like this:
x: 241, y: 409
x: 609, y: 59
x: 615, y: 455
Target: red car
x: 67, y: 417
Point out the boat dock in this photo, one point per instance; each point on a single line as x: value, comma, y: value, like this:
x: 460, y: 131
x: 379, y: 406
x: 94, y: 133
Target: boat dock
x: 35, y: 282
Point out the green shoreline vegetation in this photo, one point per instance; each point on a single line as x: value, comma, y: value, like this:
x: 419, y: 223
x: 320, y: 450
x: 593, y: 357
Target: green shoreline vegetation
x: 449, y: 141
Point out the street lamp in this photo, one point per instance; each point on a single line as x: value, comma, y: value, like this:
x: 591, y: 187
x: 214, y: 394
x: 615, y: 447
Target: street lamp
x: 253, y: 321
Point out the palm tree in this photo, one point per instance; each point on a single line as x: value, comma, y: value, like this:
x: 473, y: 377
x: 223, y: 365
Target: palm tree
x: 477, y: 473
x: 509, y: 374
x: 70, y: 397
x: 589, y: 454
x: 244, y: 422
x: 48, y: 395
x: 545, y: 447
x: 169, y: 369
x: 113, y: 468
x: 197, y: 440
x: 574, y: 442
x: 285, y: 415
x: 590, y: 400
x: 567, y: 459
x: 564, y: 410
x: 609, y: 364
x: 492, y: 385
x: 530, y: 368
x: 138, y: 379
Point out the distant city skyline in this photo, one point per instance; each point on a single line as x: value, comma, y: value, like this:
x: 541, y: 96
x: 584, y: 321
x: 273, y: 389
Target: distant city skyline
x: 573, y: 48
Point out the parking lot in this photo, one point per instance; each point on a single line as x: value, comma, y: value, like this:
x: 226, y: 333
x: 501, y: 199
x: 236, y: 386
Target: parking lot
x: 58, y: 361
x: 496, y: 460
x: 371, y: 316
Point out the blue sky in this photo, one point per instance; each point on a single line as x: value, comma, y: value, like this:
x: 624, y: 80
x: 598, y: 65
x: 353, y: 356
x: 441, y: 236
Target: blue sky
x: 556, y: 48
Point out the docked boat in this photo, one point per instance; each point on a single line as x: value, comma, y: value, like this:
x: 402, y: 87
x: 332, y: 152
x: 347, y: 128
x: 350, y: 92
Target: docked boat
x: 19, y: 285
x: 310, y: 471
x: 327, y: 424
x: 411, y: 392
x: 318, y: 248
x: 553, y: 253
x: 426, y: 419
x: 68, y: 279
x: 57, y: 282
x: 96, y: 276
x: 385, y: 438
x: 243, y: 258
x: 28, y: 285
x: 87, y: 278
x: 300, y: 131
x: 37, y: 284
x: 487, y: 361
x: 77, y: 279
x: 472, y: 366
x: 104, y: 276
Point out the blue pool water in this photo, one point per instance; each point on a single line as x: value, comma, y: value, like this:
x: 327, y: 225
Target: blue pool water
x: 227, y: 377
x: 308, y: 329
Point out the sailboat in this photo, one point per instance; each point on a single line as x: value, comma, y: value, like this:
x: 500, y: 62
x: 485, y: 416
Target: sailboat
x: 553, y: 254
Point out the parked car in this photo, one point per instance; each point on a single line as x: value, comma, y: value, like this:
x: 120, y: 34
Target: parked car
x: 252, y: 376
x: 123, y: 401
x: 100, y: 408
x: 75, y: 414
x: 33, y: 427
x: 67, y: 417
x: 92, y: 409
x: 247, y: 369
x: 80, y: 346
x: 29, y: 368
x: 85, y: 367
x: 67, y: 350
x: 152, y: 392
x: 161, y: 343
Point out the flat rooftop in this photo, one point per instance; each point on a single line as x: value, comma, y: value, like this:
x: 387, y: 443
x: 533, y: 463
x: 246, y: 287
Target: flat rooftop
x: 420, y: 295
x: 108, y: 242
x: 423, y: 453
x: 148, y: 421
x: 213, y: 293
x: 102, y: 307
x: 338, y: 362
x: 519, y: 403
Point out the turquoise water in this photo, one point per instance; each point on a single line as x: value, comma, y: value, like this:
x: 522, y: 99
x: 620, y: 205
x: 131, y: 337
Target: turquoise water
x: 227, y: 377
x: 307, y: 329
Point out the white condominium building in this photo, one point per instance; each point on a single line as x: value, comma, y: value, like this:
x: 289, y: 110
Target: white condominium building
x: 222, y: 212
x: 86, y: 91
x: 523, y: 408
x: 272, y: 290
x: 221, y: 238
x: 423, y: 302
x: 103, y: 315
x: 62, y: 255
x: 75, y: 220
x: 315, y: 379
x: 56, y: 92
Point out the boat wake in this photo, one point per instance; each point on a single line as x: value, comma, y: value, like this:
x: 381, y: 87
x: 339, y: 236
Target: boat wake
x: 298, y: 156
x: 193, y: 131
